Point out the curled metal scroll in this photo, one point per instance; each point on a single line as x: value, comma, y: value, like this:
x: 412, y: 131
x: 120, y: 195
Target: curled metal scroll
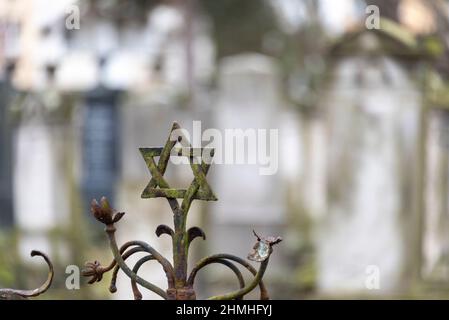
x: 15, y: 294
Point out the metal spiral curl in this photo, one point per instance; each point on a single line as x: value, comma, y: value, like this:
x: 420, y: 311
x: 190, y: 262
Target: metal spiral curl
x: 15, y: 294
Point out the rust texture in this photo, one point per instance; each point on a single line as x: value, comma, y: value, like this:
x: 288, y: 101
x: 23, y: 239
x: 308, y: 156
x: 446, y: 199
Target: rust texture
x: 180, y: 284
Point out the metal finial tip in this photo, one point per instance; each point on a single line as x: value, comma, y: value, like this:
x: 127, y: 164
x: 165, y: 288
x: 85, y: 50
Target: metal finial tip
x: 256, y: 235
x: 263, y: 247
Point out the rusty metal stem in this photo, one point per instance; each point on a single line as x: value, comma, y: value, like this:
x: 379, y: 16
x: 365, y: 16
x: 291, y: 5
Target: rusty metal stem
x: 213, y: 258
x: 239, y: 293
x: 234, y: 269
x: 231, y: 266
x: 33, y: 293
x: 123, y: 248
x: 136, y: 292
x: 118, y: 258
x: 180, y: 237
x: 126, y: 255
x: 180, y: 249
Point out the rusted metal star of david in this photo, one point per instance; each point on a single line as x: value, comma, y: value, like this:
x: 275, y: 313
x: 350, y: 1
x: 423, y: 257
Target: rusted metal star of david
x: 180, y: 286
x: 199, y: 188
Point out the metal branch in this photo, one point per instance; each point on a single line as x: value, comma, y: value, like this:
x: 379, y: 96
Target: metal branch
x: 205, y: 261
x: 13, y: 293
x: 136, y: 292
x: 126, y: 255
x: 96, y: 270
x: 236, y: 271
x: 127, y: 270
x: 227, y: 263
x: 248, y: 288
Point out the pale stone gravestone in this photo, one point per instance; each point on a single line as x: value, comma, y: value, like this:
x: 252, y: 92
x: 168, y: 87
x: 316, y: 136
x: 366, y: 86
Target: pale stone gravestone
x: 250, y: 192
x: 41, y: 197
x: 367, y: 238
x: 436, y: 219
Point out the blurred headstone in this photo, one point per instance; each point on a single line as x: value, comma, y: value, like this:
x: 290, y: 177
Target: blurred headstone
x: 6, y: 194
x: 248, y: 101
x: 101, y: 145
x: 36, y: 175
x: 366, y: 241
x: 436, y: 219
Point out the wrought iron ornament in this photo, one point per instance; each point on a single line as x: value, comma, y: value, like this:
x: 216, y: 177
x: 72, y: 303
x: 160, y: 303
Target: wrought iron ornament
x: 14, y: 294
x: 180, y: 284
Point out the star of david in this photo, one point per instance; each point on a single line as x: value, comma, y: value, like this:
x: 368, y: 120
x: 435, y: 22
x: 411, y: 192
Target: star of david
x: 158, y: 187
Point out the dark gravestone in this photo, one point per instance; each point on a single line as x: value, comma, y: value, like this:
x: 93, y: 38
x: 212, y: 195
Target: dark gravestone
x: 6, y: 195
x: 100, y: 144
